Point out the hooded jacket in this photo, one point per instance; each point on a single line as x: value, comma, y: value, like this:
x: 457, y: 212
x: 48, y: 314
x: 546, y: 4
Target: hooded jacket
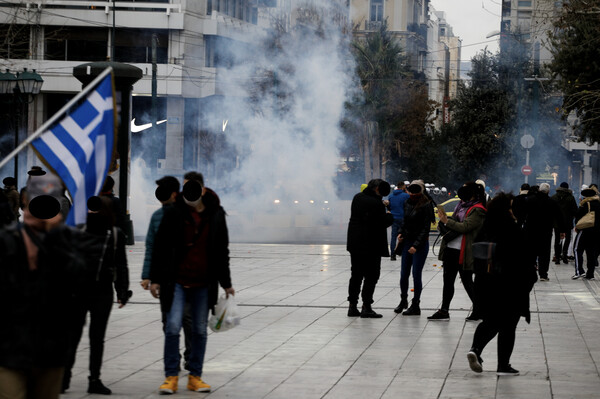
x: 170, y: 248
x: 367, y: 228
x: 418, y: 216
x: 594, y: 203
x: 469, y: 227
x: 397, y: 200
x: 567, y: 204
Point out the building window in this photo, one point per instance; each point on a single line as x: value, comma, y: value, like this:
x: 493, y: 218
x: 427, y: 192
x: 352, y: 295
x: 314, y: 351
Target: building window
x: 222, y: 52
x: 376, y: 11
x: 14, y: 42
x: 75, y: 44
x: 135, y: 45
x: 524, y: 3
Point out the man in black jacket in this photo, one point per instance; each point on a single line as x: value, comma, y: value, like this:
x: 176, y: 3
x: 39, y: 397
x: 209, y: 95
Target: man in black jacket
x: 189, y: 261
x: 568, y: 208
x: 367, y: 244
x: 541, y: 215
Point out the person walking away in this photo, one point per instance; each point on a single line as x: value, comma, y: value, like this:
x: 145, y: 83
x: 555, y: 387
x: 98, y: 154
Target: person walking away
x: 457, y: 253
x: 12, y: 195
x: 367, y: 244
x: 568, y: 208
x: 189, y: 261
x: 41, y: 270
x: 503, y: 285
x: 396, y: 206
x: 587, y: 240
x: 414, y: 240
x: 118, y: 207
x: 541, y: 215
x: 106, y: 259
x: 518, y: 203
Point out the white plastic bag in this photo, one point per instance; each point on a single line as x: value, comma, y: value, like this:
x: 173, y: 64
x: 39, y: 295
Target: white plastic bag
x: 226, y: 315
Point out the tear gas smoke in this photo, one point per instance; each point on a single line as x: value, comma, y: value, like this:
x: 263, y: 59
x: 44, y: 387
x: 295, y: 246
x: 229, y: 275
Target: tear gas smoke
x: 283, y: 134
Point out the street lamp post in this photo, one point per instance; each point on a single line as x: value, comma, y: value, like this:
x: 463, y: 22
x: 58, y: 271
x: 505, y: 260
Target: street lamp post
x: 22, y: 86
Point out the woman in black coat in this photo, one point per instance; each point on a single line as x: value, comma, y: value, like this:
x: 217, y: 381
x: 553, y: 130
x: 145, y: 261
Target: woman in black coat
x: 413, y: 241
x: 502, y: 284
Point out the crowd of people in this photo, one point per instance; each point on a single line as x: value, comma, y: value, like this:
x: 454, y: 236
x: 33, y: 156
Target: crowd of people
x: 53, y: 275
x: 496, y: 245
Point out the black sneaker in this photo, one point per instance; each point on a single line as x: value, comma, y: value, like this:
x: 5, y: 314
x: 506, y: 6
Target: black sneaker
x: 474, y: 361
x: 440, y: 315
x: 368, y: 313
x: 472, y: 317
x: 96, y: 386
x: 507, y: 370
x: 589, y: 278
x: 414, y: 310
x: 565, y: 260
x: 353, y: 311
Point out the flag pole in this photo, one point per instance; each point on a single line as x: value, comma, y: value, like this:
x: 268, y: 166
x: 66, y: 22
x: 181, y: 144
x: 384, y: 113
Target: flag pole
x: 57, y: 115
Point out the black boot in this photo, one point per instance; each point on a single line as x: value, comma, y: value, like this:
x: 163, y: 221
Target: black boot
x: 66, y: 381
x: 403, y: 305
x: 96, y: 386
x: 369, y: 313
x: 353, y: 310
x: 414, y: 309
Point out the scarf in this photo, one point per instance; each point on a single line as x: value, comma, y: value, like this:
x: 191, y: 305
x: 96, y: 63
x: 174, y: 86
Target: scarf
x: 461, y: 209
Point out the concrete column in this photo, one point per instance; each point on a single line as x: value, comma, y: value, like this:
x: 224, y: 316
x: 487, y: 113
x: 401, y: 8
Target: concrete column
x: 174, y: 144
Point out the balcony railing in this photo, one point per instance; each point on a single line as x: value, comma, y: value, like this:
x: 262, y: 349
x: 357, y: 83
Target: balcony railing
x: 107, y: 6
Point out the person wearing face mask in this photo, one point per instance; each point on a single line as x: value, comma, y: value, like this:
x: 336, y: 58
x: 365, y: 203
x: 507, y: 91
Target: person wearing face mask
x: 106, y: 261
x: 414, y: 241
x: 189, y: 261
x: 41, y: 270
x: 456, y: 250
x: 367, y: 244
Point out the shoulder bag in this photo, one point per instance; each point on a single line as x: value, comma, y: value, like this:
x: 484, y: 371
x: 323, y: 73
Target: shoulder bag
x: 587, y: 221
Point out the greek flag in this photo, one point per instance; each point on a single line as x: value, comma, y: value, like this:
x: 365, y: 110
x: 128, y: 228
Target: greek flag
x: 79, y: 146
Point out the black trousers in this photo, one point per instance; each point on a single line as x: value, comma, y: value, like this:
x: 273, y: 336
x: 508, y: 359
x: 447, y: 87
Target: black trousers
x: 505, y: 325
x: 560, y: 251
x: 365, y: 271
x: 98, y: 302
x: 451, y: 269
x: 541, y: 246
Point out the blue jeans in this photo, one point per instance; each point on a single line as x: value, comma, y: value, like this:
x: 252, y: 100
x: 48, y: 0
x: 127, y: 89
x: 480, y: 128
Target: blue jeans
x: 416, y: 262
x: 198, y: 298
x: 396, y: 226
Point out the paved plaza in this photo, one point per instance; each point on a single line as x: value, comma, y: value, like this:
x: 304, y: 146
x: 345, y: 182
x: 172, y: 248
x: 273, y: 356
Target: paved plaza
x: 295, y: 340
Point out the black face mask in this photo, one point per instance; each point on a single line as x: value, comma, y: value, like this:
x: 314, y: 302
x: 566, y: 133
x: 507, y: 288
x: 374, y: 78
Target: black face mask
x: 465, y: 193
x: 96, y: 223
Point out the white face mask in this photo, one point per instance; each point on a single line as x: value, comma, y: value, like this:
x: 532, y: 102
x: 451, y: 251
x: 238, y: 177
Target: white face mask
x: 193, y: 204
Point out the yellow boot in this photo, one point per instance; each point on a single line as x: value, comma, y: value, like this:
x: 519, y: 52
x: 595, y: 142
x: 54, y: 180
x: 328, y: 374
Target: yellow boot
x: 169, y: 386
x: 196, y: 384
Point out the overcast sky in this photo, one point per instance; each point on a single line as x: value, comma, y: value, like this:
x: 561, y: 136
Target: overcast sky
x: 472, y: 20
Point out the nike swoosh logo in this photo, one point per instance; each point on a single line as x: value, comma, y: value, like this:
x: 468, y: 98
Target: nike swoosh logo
x: 138, y: 128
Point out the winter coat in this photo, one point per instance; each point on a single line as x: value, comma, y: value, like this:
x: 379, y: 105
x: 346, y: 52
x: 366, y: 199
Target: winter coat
x: 503, y: 289
x: 367, y: 228
x: 541, y: 215
x: 469, y: 227
x: 567, y: 204
x: 106, y: 260
x: 37, y: 306
x: 170, y: 248
x: 417, y: 222
x: 397, y: 200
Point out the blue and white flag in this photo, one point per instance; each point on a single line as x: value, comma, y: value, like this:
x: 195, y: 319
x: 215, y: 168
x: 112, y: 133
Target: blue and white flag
x: 79, y: 146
